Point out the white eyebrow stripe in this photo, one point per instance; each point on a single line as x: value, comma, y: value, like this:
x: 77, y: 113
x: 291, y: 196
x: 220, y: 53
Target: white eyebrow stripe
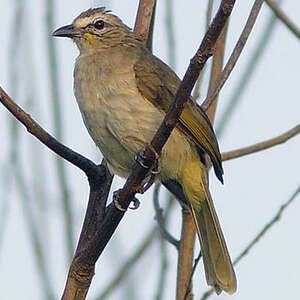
x: 82, y: 22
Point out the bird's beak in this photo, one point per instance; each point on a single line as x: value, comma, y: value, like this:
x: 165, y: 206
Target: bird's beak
x: 67, y: 31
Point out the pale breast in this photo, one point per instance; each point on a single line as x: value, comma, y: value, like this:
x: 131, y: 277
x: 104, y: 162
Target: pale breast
x: 119, y: 119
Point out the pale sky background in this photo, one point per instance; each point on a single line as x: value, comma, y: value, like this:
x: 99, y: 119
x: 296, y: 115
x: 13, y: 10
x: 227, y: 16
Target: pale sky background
x: 255, y: 186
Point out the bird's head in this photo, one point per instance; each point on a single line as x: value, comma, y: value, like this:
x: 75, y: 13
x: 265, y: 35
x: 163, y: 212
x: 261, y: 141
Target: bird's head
x: 95, y: 29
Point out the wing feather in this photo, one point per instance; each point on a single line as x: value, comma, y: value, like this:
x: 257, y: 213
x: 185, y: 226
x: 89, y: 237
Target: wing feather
x: 158, y: 84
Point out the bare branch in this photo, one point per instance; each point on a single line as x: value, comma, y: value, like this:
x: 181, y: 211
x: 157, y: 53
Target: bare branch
x: 263, y: 145
x: 192, y: 274
x: 123, y: 271
x: 185, y: 257
x: 35, y: 129
x: 247, y: 74
x: 160, y: 218
x: 264, y: 230
x: 216, y: 70
x: 144, y: 21
x: 284, y: 18
x: 234, y: 56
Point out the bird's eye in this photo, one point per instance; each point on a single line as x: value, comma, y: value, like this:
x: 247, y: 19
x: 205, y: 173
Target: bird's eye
x: 99, y: 24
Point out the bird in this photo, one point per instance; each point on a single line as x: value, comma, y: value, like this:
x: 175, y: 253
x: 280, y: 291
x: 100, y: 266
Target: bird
x: 123, y: 92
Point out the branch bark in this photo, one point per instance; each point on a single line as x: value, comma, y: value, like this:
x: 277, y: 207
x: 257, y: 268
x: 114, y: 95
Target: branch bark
x: 144, y: 21
x: 216, y: 71
x: 185, y: 257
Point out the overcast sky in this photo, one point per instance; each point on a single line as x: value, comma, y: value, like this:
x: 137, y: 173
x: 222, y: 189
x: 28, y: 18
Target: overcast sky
x: 255, y: 186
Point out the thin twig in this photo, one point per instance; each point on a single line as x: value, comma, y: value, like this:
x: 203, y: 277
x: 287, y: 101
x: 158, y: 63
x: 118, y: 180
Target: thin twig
x: 247, y: 74
x: 264, y: 230
x: 284, y: 18
x: 185, y: 256
x: 192, y: 274
x: 160, y: 218
x: 57, y: 118
x: 196, y: 92
x: 234, y: 56
x: 164, y: 254
x: 9, y: 166
x: 216, y: 70
x: 128, y: 265
x: 274, y: 220
x: 163, y: 269
x: 35, y: 129
x: 37, y: 241
x: 263, y: 145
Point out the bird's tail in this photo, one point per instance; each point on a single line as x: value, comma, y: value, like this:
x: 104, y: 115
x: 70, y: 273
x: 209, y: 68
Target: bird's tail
x: 217, y: 263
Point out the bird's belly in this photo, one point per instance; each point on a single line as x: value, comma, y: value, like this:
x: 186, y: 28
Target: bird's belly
x: 121, y: 127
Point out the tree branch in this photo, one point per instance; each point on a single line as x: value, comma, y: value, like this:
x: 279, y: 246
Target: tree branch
x: 216, y: 71
x: 144, y: 21
x: 263, y: 145
x: 284, y: 18
x: 35, y: 129
x: 185, y: 257
x: 234, y: 56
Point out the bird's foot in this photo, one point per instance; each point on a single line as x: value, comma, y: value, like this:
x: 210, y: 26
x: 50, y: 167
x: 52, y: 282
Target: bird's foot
x: 154, y: 171
x: 141, y: 160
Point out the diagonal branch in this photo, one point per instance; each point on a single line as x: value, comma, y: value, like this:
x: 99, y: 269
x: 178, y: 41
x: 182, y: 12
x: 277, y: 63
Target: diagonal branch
x: 284, y: 18
x: 43, y: 136
x: 234, y: 56
x: 263, y: 145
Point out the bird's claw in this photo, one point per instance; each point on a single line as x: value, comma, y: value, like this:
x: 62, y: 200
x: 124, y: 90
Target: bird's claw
x: 153, y: 173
